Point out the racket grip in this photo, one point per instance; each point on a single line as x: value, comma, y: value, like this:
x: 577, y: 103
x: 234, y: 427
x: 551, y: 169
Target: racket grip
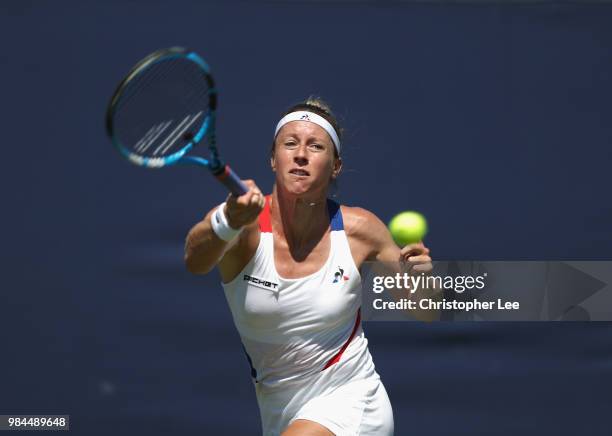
x: 231, y: 181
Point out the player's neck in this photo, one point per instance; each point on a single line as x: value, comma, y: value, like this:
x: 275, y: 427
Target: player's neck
x: 300, y: 220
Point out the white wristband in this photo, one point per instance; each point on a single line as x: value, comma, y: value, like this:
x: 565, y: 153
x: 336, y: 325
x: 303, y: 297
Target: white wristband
x: 220, y: 225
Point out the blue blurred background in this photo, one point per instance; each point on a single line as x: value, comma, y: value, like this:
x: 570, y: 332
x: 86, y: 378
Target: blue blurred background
x: 491, y: 119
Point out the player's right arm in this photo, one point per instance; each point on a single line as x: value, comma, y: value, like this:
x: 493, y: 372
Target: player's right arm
x: 204, y: 249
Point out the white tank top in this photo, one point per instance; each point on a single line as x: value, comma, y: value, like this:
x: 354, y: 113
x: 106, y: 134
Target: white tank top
x: 293, y: 329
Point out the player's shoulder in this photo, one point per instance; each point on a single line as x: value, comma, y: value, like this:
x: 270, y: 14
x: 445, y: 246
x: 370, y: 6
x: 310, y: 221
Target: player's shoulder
x: 360, y: 222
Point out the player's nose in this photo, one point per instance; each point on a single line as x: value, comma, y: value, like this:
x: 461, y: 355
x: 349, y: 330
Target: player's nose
x: 300, y: 156
x: 300, y: 160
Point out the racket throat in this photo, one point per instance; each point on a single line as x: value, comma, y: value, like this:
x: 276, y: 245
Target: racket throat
x: 216, y: 165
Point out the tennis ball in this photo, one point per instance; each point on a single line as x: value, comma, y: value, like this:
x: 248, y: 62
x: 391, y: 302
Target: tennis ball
x: 408, y: 227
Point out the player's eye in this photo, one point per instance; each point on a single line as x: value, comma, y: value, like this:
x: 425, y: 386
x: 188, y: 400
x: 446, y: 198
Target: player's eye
x: 290, y: 143
x: 317, y: 146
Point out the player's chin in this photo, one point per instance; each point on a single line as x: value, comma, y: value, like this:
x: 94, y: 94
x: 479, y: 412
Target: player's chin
x: 298, y: 185
x: 298, y: 190
x: 303, y: 186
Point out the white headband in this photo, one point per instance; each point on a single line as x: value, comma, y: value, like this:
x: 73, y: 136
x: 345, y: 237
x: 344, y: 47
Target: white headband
x: 313, y: 118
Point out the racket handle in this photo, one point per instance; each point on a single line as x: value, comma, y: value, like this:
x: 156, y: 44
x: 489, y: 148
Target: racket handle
x: 231, y: 181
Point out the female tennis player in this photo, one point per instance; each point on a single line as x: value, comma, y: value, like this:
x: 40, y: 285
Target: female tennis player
x: 289, y: 263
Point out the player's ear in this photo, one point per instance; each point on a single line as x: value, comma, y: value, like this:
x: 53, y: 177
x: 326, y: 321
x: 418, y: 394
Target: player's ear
x: 273, y: 162
x: 337, y: 167
x: 272, y: 159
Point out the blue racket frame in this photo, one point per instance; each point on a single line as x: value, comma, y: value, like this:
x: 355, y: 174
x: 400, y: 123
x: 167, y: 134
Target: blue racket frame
x: 215, y: 164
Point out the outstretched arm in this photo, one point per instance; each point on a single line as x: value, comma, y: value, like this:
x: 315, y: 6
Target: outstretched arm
x: 204, y: 248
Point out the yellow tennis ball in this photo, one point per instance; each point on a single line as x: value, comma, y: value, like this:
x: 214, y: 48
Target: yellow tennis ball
x: 408, y: 227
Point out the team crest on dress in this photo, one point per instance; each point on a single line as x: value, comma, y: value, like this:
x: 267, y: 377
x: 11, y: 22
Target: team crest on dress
x: 339, y: 276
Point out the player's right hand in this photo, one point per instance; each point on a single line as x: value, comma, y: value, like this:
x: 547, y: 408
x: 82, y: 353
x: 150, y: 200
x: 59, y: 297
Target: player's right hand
x: 245, y: 209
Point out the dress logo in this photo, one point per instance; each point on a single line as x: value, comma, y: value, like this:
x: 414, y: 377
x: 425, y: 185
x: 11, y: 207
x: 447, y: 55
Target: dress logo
x: 262, y: 283
x: 339, y: 276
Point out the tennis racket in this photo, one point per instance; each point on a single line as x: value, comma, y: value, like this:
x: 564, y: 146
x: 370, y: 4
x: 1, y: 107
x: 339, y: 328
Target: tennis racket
x: 163, y: 108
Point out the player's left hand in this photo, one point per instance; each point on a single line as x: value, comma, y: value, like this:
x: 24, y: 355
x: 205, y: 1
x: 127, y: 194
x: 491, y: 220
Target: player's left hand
x: 416, y: 257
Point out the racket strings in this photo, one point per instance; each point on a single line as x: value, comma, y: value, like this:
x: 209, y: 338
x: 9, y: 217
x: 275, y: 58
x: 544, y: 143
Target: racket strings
x: 141, y: 80
x: 162, y: 108
x: 162, y: 88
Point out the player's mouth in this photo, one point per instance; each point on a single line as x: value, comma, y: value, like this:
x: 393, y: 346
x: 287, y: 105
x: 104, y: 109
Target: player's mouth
x: 299, y: 172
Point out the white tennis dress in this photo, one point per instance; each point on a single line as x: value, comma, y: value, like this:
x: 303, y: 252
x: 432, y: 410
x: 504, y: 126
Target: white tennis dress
x: 303, y: 339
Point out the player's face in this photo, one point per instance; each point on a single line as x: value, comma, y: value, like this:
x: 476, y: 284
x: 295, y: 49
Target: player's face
x: 303, y: 158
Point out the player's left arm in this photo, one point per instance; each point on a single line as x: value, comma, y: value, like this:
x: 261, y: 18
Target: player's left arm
x: 373, y: 235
